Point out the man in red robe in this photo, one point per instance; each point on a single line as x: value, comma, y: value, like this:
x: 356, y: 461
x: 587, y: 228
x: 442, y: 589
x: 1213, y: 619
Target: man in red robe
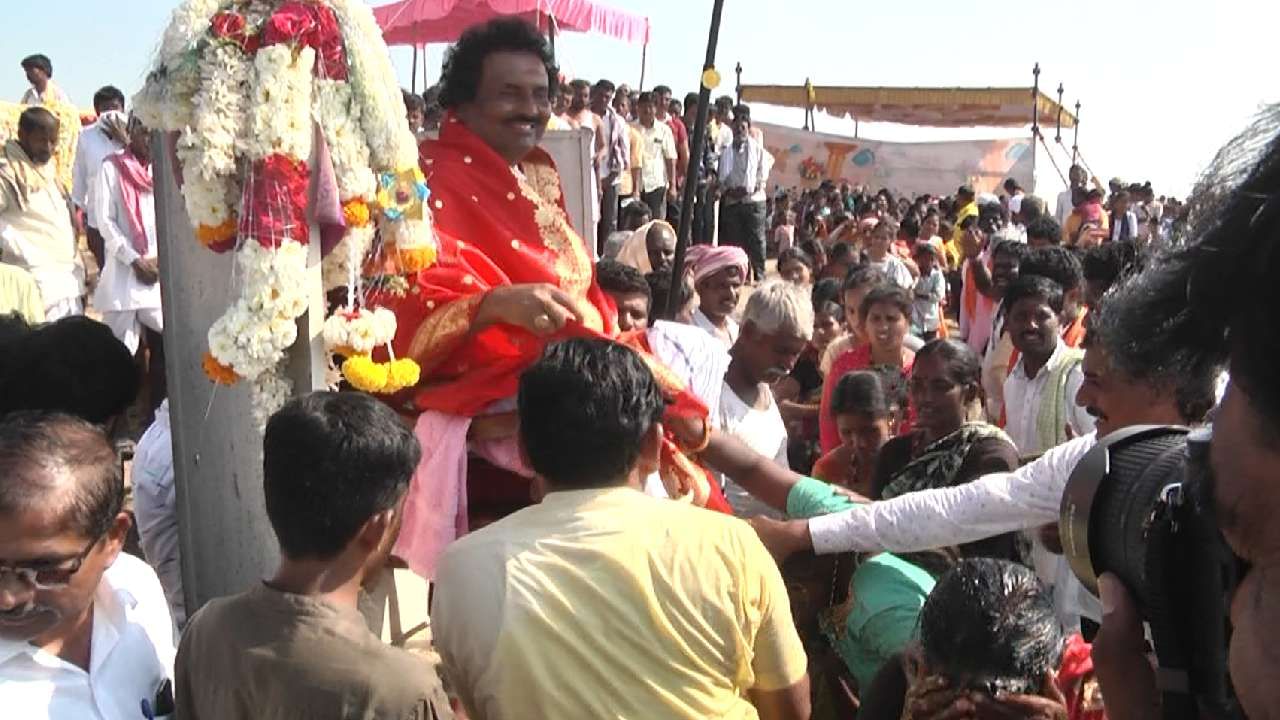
x: 512, y: 276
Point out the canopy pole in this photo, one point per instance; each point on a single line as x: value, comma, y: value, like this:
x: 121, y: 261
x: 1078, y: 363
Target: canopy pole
x: 737, y: 89
x: 1035, y: 100
x: 1058, y: 133
x: 644, y: 62
x: 1075, y: 141
x: 692, y: 176
x: 425, y: 85
x: 551, y: 34
x: 413, y: 71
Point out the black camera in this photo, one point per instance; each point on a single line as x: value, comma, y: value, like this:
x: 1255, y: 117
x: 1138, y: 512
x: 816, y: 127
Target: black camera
x: 1140, y: 505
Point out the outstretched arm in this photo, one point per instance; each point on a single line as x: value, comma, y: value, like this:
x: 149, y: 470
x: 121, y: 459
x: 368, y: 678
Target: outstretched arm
x: 765, y: 479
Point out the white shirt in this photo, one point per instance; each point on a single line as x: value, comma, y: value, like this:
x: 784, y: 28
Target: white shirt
x: 1065, y: 206
x: 1022, y: 402
x: 92, y: 148
x: 896, y: 271
x: 131, y: 653
x: 1024, y: 499
x: 118, y: 288
x: 41, y: 240
x: 659, y: 146
x: 762, y: 430
x: 155, y: 507
x: 53, y: 95
x: 744, y: 167
x: 730, y: 328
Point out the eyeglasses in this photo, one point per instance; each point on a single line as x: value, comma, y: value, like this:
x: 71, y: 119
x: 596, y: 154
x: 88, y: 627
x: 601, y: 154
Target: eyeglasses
x: 52, y: 575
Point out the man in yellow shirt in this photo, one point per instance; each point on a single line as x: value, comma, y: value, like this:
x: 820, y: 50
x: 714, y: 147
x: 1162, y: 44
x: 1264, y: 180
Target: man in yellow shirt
x: 604, y: 602
x: 966, y: 207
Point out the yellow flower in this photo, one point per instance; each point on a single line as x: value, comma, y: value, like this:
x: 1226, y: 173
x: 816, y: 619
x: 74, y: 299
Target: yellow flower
x: 217, y: 372
x: 211, y: 235
x: 402, y: 373
x: 356, y: 213
x: 364, y: 374
x: 414, y: 259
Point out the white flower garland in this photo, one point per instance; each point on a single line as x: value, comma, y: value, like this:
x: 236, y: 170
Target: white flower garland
x: 359, y: 331
x: 207, y: 147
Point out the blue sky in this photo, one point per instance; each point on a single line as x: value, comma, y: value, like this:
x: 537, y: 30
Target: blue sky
x: 1162, y: 84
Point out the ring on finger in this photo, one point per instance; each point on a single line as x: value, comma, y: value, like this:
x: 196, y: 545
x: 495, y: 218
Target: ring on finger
x: 543, y: 322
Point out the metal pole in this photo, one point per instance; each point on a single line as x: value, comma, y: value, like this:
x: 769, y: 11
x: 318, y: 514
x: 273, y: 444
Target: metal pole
x: 644, y: 62
x: 413, y: 72
x: 551, y: 34
x: 737, y: 88
x: 1057, y: 137
x: 425, y: 85
x: 1075, y: 141
x: 692, y: 175
x: 1035, y: 101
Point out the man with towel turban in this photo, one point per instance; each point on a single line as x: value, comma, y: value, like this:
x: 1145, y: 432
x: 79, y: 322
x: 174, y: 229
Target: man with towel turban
x: 718, y: 274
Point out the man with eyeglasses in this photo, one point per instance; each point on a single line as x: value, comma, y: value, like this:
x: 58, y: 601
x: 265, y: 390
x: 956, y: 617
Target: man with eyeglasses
x: 84, y: 629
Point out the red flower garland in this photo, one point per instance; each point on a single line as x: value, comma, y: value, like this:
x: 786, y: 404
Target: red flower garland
x: 275, y: 201
x: 232, y: 26
x: 305, y: 24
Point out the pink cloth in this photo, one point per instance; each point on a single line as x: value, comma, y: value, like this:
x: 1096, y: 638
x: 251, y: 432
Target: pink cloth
x: 414, y: 22
x: 703, y: 260
x: 435, y: 512
x: 135, y: 181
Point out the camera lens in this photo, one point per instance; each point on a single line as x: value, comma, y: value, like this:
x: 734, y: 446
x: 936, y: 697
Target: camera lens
x: 1110, y: 511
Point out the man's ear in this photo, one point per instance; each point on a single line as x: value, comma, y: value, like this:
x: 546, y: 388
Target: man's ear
x: 116, y: 536
x: 650, y: 450
x: 374, y: 530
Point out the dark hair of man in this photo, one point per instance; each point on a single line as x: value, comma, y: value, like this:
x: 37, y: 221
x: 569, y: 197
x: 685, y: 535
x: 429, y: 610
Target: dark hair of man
x: 584, y: 408
x: 911, y: 226
x: 863, y: 276
x: 614, y: 277
x: 968, y: 222
x: 39, y: 62
x: 964, y: 367
x: 1104, y: 264
x: 13, y: 327
x: 643, y: 98
x: 37, y: 118
x: 724, y: 103
x: 1034, y: 286
x: 860, y: 393
x: 690, y: 101
x: 1150, y: 333
x: 661, y: 90
x: 887, y: 295
x: 1045, y: 228
x: 660, y: 284
x: 413, y: 102
x: 741, y: 110
x: 1012, y: 185
x: 1059, y: 264
x: 464, y: 61
x: 75, y: 366
x: 105, y: 96
x: 826, y: 290
x: 579, y: 84
x: 831, y: 309
x: 840, y: 252
x: 990, y: 621
x: 796, y: 254
x: 605, y: 85
x: 38, y: 449
x: 330, y: 462
x: 1011, y: 247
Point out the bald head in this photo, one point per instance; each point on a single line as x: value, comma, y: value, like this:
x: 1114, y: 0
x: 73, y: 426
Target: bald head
x: 55, y: 462
x: 660, y: 242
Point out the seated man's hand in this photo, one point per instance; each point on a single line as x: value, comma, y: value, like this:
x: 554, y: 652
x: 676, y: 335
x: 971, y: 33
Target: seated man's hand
x: 782, y: 538
x: 541, y: 308
x: 1120, y: 661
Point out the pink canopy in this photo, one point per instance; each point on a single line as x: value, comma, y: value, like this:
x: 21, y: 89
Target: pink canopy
x: 416, y: 22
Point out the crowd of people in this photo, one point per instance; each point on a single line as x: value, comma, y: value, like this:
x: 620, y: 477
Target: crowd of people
x: 827, y: 487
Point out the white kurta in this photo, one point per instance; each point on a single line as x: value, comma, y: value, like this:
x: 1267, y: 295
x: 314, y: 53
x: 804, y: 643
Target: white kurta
x: 118, y: 288
x: 92, y: 148
x: 40, y: 239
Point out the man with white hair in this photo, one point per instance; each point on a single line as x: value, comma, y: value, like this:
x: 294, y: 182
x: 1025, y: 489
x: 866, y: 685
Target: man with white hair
x: 776, y: 327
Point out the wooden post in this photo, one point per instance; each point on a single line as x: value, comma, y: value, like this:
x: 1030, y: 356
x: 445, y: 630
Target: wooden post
x: 1075, y: 138
x: 227, y: 543
x: 1035, y: 101
x: 1057, y: 135
x: 413, y: 71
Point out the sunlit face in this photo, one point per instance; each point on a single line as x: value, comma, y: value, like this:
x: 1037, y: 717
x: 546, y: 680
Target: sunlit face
x: 1033, y: 327
x: 881, y: 239
x: 825, y: 329
x: 929, y: 227
x: 645, y: 112
x: 719, y: 291
x: 633, y: 310
x: 1004, y: 270
x: 939, y: 401
x: 1117, y: 401
x: 39, y: 143
x: 512, y: 104
x: 660, y: 245
x: 885, y: 328
x: 863, y: 434
x: 796, y: 272
x: 852, y: 310
x: 769, y: 357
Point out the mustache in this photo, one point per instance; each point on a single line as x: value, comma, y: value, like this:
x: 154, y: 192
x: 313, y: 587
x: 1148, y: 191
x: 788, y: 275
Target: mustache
x: 1093, y: 411
x: 524, y: 118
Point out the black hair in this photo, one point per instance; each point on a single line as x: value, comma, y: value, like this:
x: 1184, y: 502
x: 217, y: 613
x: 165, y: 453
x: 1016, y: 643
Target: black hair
x: 990, y: 624
x: 634, y: 211
x: 826, y: 290
x: 74, y: 366
x: 840, y: 251
x: 964, y: 366
x: 330, y: 462
x: 725, y: 102
x: 1104, y: 264
x: 795, y: 253
x: 1059, y: 264
x: 13, y: 327
x: 863, y: 276
x: 861, y: 393
x: 741, y: 110
x: 464, y: 61
x: 661, y: 90
x: 660, y: 284
x: 413, y: 101
x: 1012, y: 247
x: 887, y: 295
x: 615, y: 277
x: 1012, y: 183
x: 911, y: 226
x: 39, y: 62
x: 39, y: 449
x: 691, y: 100
x: 829, y: 308
x: 1034, y: 286
x: 605, y: 85
x: 105, y: 95
x: 1045, y: 228
x: 35, y: 118
x: 584, y: 409
x: 644, y: 97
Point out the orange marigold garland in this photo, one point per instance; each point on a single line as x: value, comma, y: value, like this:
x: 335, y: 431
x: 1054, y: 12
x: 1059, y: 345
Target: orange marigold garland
x: 217, y: 372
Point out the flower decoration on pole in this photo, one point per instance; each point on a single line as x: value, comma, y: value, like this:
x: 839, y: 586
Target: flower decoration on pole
x: 256, y: 92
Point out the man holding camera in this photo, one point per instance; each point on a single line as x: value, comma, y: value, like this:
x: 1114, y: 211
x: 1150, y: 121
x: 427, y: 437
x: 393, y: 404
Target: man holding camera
x: 1222, y: 276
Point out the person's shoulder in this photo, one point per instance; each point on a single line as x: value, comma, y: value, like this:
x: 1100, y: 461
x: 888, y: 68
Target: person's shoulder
x: 133, y: 577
